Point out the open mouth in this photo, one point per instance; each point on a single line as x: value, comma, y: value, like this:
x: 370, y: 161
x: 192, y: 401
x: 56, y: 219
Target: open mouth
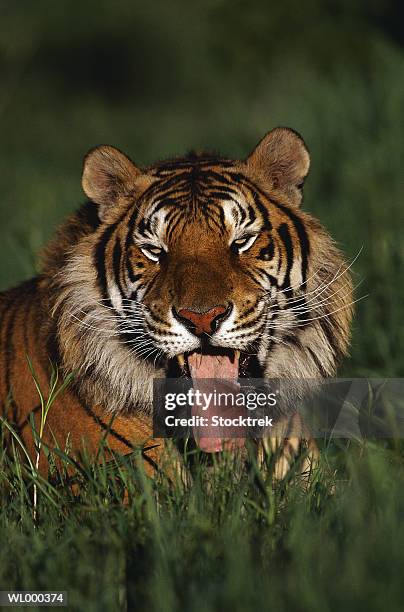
x: 215, y: 362
x: 215, y: 372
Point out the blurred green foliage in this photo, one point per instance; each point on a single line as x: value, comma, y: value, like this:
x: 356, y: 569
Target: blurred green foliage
x: 157, y: 80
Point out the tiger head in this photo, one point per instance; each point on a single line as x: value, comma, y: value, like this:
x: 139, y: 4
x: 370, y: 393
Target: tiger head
x: 198, y: 256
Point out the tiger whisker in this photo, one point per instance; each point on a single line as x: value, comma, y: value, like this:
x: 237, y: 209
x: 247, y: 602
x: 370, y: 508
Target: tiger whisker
x: 94, y: 318
x: 144, y: 353
x: 103, y: 316
x: 97, y: 329
x: 336, y: 276
x: 159, y: 354
x: 318, y: 292
x: 115, y: 314
x: 108, y: 333
x: 295, y: 324
x: 325, y: 302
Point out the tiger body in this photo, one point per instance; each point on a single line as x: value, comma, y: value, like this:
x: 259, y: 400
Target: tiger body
x: 190, y: 256
x: 71, y: 423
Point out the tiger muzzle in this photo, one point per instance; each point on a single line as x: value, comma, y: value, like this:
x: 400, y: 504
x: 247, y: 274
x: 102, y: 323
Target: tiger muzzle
x: 206, y: 322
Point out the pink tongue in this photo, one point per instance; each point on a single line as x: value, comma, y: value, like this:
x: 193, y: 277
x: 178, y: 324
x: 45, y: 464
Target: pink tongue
x: 213, y: 439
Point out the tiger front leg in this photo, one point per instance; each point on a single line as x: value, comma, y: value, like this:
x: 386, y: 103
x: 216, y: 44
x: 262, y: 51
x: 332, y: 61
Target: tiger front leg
x: 289, y: 439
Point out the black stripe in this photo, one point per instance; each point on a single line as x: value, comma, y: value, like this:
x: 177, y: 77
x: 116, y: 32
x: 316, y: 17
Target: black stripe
x: 251, y: 275
x: 302, y: 235
x: 292, y: 340
x: 328, y: 324
x: 284, y: 234
x: 173, y: 226
x: 247, y: 312
x: 150, y: 286
x: 134, y: 277
x: 105, y: 427
x: 27, y: 313
x: 163, y: 186
x: 263, y: 210
x: 242, y: 211
x: 116, y: 262
x: 318, y: 363
x: 246, y: 324
x: 3, y: 312
x: 272, y: 280
x: 252, y: 214
x: 222, y: 193
x: 100, y: 257
x: 191, y: 161
x: 20, y: 426
x: 9, y: 353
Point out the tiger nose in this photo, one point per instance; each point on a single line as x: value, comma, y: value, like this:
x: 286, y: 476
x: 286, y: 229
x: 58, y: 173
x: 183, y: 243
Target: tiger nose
x: 203, y: 322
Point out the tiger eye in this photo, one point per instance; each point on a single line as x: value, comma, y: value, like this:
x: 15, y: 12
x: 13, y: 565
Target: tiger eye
x: 267, y: 253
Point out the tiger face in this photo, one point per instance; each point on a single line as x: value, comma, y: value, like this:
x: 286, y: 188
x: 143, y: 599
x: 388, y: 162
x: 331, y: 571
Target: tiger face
x: 201, y: 263
x: 206, y: 270
x: 209, y: 265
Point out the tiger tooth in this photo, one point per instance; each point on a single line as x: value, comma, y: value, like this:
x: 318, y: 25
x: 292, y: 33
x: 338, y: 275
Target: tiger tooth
x: 181, y: 360
x: 237, y: 354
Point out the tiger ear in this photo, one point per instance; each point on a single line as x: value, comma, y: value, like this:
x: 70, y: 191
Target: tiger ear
x: 108, y: 177
x: 283, y: 160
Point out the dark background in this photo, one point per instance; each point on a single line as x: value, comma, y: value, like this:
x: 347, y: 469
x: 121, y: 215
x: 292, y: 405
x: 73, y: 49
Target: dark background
x: 157, y: 80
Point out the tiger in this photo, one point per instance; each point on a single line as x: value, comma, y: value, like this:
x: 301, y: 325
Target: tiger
x: 200, y: 266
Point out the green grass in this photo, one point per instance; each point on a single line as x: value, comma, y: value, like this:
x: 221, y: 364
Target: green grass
x: 233, y: 540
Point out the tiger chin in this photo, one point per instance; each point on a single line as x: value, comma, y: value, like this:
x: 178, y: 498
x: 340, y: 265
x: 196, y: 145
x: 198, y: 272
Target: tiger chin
x: 200, y: 266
